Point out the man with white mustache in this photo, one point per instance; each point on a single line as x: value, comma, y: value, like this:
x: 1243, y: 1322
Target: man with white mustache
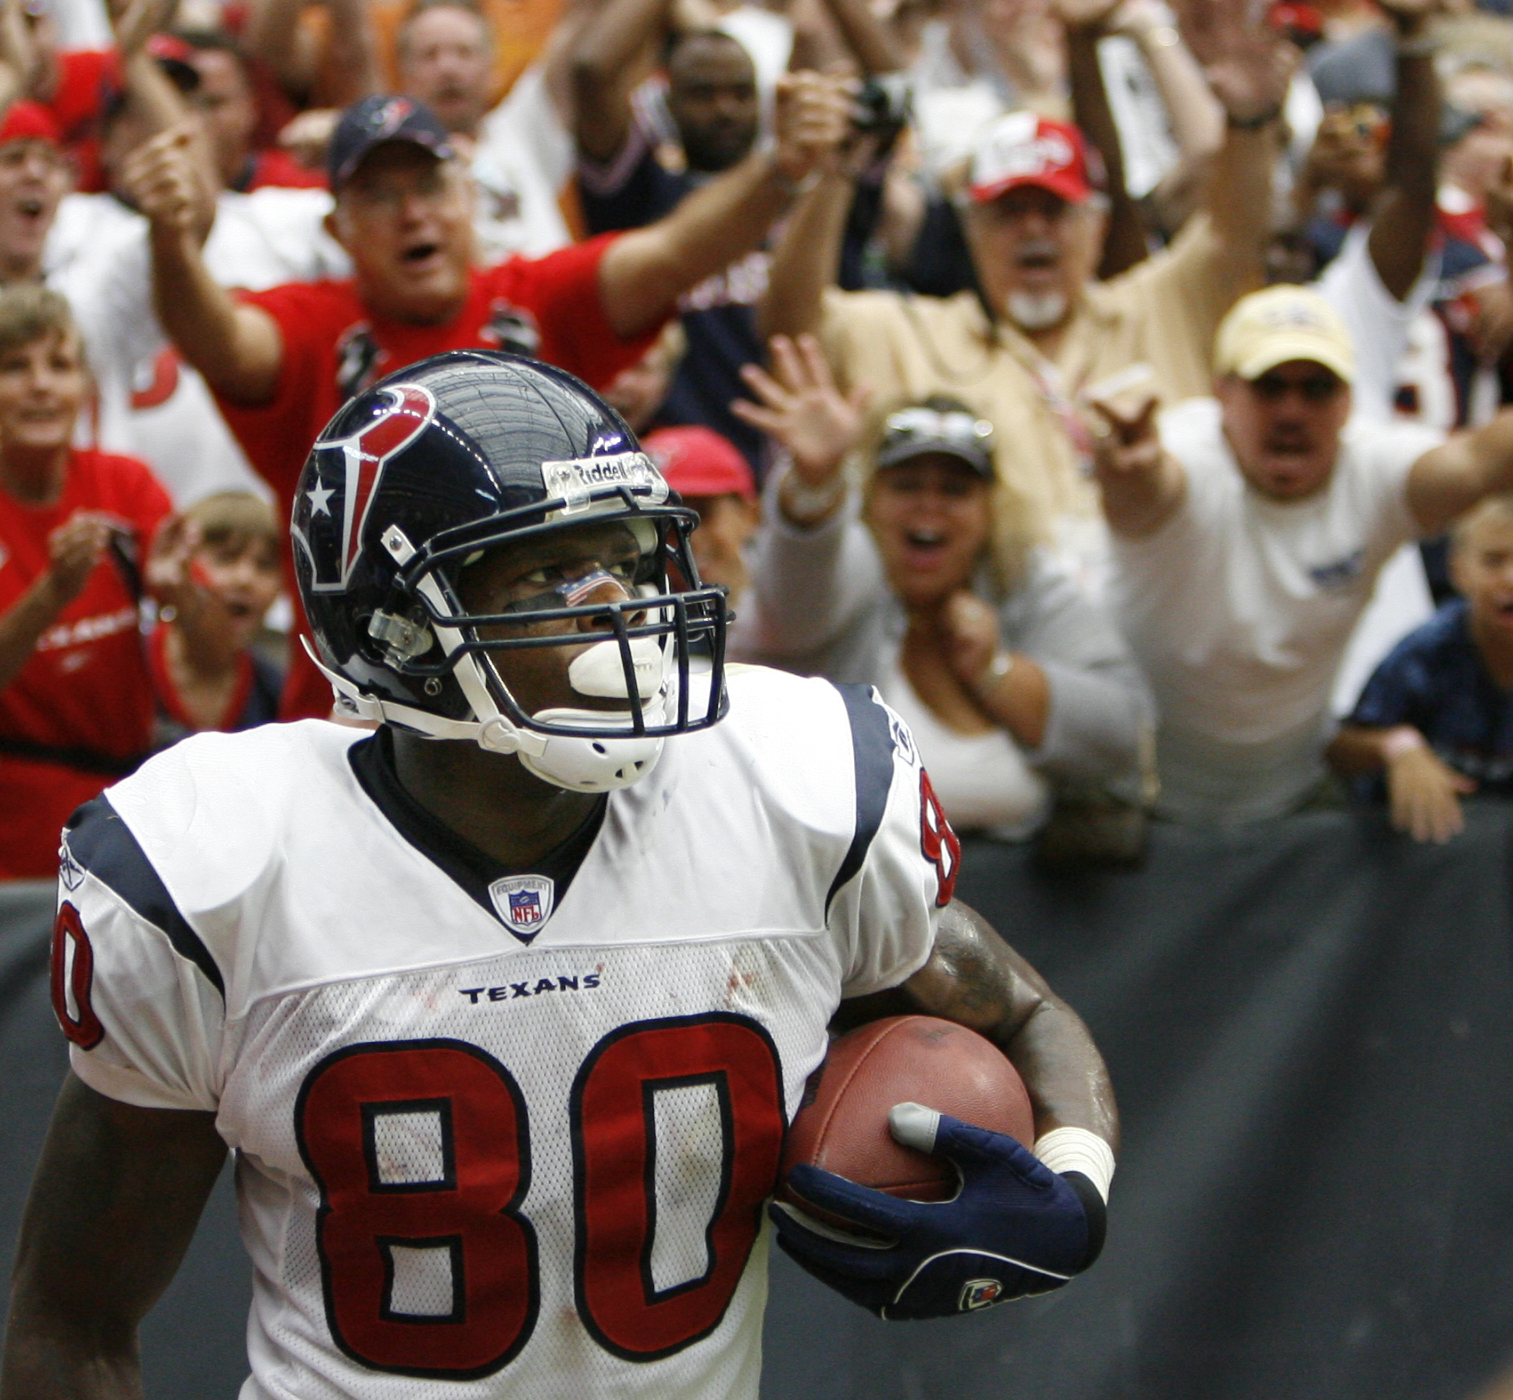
x: 1043, y: 338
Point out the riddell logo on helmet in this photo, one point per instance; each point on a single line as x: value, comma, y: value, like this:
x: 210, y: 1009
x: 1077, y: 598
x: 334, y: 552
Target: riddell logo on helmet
x: 576, y: 479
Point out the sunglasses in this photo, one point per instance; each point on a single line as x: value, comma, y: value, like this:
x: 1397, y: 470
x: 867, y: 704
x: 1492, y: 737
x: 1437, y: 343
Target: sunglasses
x: 911, y: 424
x: 1315, y: 388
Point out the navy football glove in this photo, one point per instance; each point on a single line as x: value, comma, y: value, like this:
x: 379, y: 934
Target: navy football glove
x: 1015, y: 1228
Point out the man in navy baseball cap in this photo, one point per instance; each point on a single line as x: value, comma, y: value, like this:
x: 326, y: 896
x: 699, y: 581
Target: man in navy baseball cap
x: 374, y: 122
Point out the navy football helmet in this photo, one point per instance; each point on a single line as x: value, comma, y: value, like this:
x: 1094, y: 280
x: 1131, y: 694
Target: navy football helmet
x: 421, y: 475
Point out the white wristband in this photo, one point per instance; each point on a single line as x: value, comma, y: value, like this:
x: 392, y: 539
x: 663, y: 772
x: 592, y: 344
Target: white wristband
x: 1403, y: 739
x: 1078, y: 1150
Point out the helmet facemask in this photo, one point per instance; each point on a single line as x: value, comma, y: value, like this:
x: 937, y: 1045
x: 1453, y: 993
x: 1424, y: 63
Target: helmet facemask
x: 654, y: 639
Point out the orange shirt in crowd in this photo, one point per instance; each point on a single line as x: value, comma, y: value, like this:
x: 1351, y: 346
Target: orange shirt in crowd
x: 334, y: 348
x: 81, y: 711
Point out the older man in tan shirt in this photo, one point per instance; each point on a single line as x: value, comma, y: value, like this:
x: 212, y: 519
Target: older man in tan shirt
x: 1055, y: 338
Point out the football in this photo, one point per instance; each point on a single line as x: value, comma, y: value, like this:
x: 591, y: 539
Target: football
x: 842, y: 1122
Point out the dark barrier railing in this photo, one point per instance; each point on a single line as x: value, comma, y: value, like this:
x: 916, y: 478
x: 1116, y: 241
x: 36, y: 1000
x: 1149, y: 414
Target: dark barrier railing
x: 1310, y: 1026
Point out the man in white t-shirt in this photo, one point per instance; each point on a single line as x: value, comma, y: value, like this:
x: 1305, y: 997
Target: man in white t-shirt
x: 1248, y: 531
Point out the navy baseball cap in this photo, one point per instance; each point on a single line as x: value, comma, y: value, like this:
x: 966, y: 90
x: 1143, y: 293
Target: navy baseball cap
x: 378, y: 119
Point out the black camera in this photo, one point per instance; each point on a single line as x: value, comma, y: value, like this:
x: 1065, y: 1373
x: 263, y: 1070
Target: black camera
x: 884, y: 106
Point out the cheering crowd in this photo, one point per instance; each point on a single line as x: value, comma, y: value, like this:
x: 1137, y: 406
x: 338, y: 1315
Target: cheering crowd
x: 1116, y: 388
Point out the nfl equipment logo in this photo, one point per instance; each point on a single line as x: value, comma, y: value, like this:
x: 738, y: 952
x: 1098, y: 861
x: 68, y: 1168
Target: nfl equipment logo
x: 979, y: 1293
x: 523, y: 903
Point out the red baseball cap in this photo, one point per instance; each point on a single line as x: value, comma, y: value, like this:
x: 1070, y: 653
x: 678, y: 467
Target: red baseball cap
x: 699, y: 462
x: 1025, y: 148
x: 29, y: 121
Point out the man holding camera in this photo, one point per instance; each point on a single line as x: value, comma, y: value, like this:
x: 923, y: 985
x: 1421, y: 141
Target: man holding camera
x: 631, y: 172
x: 1043, y: 337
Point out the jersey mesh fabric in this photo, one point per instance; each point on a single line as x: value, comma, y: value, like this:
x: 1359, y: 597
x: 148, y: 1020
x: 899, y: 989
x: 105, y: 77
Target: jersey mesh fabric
x: 789, y: 986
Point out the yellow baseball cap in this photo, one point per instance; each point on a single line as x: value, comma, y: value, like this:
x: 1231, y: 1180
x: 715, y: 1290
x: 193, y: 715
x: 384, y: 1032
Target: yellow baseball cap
x: 1269, y: 328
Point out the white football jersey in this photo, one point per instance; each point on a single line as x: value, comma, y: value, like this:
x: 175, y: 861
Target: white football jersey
x: 500, y: 1133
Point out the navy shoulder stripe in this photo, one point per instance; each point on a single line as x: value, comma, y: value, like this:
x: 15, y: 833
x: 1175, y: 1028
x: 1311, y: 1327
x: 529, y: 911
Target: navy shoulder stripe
x: 103, y: 844
x: 872, y: 750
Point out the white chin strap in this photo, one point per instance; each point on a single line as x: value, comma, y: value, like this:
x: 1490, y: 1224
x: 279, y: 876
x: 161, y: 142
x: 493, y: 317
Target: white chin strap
x: 568, y: 761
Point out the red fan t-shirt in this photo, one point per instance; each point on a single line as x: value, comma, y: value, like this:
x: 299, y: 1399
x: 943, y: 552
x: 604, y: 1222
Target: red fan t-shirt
x: 80, y: 713
x: 334, y: 348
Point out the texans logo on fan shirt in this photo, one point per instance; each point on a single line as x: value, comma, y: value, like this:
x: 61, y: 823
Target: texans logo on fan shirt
x: 348, y: 471
x: 523, y: 903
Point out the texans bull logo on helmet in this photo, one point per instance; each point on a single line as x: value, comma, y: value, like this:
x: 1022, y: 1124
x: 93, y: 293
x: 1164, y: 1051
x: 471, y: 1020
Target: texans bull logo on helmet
x: 347, y: 475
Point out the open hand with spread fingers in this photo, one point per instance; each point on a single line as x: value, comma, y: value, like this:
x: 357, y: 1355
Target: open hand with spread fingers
x: 803, y: 410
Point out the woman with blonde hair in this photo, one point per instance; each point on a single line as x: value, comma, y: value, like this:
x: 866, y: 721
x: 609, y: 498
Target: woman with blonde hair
x: 927, y: 583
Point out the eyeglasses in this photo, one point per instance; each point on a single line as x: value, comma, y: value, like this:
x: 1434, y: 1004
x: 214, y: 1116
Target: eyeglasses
x: 953, y: 426
x: 1315, y: 388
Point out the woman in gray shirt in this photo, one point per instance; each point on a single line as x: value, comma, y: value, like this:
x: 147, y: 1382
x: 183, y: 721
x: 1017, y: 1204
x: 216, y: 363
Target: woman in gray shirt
x: 924, y: 584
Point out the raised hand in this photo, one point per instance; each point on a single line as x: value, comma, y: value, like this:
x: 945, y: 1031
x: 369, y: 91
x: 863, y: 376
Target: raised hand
x: 812, y: 122
x: 73, y: 550
x: 1125, y: 442
x: 308, y: 137
x: 169, y: 572
x: 1247, y: 66
x: 162, y: 179
x: 972, y: 639
x: 802, y: 409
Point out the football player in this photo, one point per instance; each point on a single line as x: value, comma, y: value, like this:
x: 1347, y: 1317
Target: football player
x: 505, y: 1006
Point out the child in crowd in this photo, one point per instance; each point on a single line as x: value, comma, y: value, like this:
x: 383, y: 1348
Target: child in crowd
x: 1436, y: 718
x: 204, y: 670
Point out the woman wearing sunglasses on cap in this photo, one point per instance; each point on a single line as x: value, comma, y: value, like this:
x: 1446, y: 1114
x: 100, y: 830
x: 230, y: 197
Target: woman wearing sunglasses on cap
x: 925, y: 584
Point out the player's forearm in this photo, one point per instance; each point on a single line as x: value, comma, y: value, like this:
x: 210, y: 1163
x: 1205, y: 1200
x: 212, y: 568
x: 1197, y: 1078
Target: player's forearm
x: 977, y: 980
x: 645, y: 271
x: 45, y: 1359
x: 205, y: 323
x: 807, y: 260
x: 22, y: 627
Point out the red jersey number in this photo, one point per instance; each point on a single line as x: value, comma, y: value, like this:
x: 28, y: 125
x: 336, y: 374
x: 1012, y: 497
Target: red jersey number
x: 614, y: 1152
x: 421, y: 1151
x: 941, y: 845
x: 73, y: 976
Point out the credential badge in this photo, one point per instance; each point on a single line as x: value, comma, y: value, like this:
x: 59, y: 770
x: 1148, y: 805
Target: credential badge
x: 524, y: 903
